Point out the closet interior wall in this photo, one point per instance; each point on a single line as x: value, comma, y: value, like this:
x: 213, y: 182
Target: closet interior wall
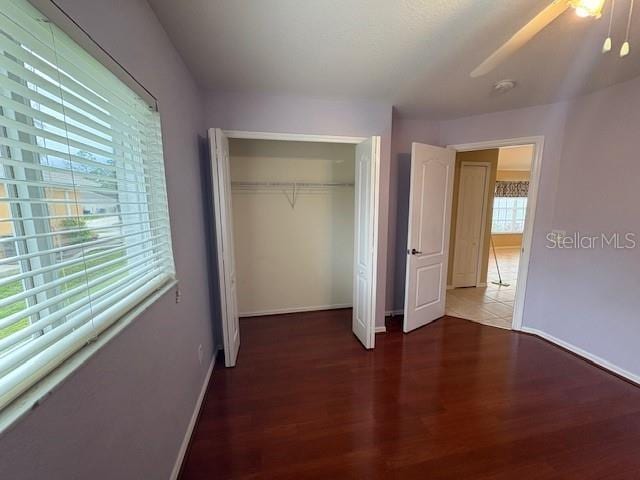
x: 293, y: 221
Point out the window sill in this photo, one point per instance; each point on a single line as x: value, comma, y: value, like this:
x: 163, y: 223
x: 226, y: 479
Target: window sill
x: 506, y: 233
x: 37, y: 394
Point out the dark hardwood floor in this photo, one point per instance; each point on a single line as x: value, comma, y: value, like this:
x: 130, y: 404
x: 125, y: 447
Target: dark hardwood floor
x: 454, y: 400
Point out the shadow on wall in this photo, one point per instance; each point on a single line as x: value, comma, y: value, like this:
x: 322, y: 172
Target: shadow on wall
x: 402, y: 215
x: 342, y: 231
x: 204, y: 154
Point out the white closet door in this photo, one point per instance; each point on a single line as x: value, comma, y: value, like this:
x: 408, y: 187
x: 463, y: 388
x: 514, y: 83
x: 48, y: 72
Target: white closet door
x: 432, y: 170
x: 221, y: 188
x: 366, y: 245
x: 472, y: 201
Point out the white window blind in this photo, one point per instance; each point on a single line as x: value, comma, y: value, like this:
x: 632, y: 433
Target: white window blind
x: 84, y: 226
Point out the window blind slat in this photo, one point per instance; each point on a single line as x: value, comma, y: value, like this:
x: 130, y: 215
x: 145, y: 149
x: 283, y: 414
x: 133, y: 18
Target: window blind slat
x: 88, y: 215
x: 46, y: 80
x: 48, y: 135
x: 92, y: 243
x: 55, y: 300
x: 119, y: 226
x: 156, y: 240
x: 87, y: 176
x: 48, y: 201
x: 78, y: 275
x: 64, y: 156
x: 43, y: 117
x: 63, y: 104
x: 131, y: 270
x: 28, y: 350
x: 76, y: 188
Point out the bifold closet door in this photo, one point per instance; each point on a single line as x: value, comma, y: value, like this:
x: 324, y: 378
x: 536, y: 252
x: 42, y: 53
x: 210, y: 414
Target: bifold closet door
x: 221, y: 192
x: 365, y: 237
x: 430, y: 198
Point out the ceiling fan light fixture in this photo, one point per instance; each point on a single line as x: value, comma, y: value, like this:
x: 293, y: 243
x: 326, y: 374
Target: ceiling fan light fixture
x: 588, y: 8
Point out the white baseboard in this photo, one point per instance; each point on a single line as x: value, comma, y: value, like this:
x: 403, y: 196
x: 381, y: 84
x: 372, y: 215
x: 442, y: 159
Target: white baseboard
x: 192, y: 423
x: 282, y: 311
x: 583, y: 353
x: 381, y: 329
x: 392, y: 313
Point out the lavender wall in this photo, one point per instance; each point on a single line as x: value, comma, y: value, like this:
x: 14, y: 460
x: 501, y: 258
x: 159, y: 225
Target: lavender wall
x: 589, y: 181
x: 295, y: 114
x: 589, y: 298
x: 125, y: 412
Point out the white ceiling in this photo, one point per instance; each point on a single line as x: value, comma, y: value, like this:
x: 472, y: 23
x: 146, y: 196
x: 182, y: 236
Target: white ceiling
x: 515, y: 158
x: 416, y: 54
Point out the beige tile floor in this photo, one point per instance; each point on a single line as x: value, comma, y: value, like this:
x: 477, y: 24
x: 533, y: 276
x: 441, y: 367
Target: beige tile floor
x: 491, y: 305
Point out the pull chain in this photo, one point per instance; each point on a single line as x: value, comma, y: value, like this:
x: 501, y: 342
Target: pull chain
x: 626, y: 46
x: 608, y: 43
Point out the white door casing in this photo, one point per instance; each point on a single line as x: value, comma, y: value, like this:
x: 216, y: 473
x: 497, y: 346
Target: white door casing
x: 365, y: 240
x: 473, y: 196
x: 430, y: 199
x: 527, y: 236
x: 221, y: 190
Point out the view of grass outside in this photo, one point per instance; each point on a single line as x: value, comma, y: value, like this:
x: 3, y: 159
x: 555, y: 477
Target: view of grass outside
x: 16, y: 287
x: 82, y: 280
x: 79, y: 232
x: 9, y: 290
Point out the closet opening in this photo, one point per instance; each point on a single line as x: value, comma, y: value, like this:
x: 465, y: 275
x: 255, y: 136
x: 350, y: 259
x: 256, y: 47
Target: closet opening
x: 296, y: 228
x: 293, y: 216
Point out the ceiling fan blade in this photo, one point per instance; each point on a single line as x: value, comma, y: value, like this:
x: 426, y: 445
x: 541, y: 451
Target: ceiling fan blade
x: 526, y: 33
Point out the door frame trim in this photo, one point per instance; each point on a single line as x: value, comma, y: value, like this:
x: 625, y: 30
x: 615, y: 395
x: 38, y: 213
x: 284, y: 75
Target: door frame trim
x: 301, y: 137
x: 293, y: 137
x: 483, y: 220
x: 532, y: 201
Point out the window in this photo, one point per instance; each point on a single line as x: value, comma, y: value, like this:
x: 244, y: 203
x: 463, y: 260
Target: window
x: 509, y: 214
x: 84, y: 225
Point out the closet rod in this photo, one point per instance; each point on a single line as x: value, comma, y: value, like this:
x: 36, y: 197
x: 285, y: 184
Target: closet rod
x: 291, y: 184
x: 295, y: 188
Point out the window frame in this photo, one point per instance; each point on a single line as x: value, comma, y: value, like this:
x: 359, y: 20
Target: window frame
x: 514, y: 209
x: 49, y: 382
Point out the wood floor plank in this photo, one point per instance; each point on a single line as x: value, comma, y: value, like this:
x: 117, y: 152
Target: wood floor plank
x: 453, y: 400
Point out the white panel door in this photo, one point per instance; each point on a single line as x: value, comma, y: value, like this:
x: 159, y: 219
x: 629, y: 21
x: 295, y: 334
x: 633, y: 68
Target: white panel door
x: 365, y: 237
x: 432, y: 170
x: 221, y: 188
x: 472, y: 198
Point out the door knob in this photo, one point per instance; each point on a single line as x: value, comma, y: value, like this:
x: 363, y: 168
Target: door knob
x: 415, y: 252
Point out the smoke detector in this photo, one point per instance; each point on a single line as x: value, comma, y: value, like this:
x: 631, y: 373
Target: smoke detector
x: 504, y: 86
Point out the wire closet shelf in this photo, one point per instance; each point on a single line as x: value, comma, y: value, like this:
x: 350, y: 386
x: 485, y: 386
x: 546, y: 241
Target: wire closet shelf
x: 291, y: 190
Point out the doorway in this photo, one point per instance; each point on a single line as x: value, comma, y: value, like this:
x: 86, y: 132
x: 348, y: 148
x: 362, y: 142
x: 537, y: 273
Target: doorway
x: 491, y: 232
x: 260, y: 261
